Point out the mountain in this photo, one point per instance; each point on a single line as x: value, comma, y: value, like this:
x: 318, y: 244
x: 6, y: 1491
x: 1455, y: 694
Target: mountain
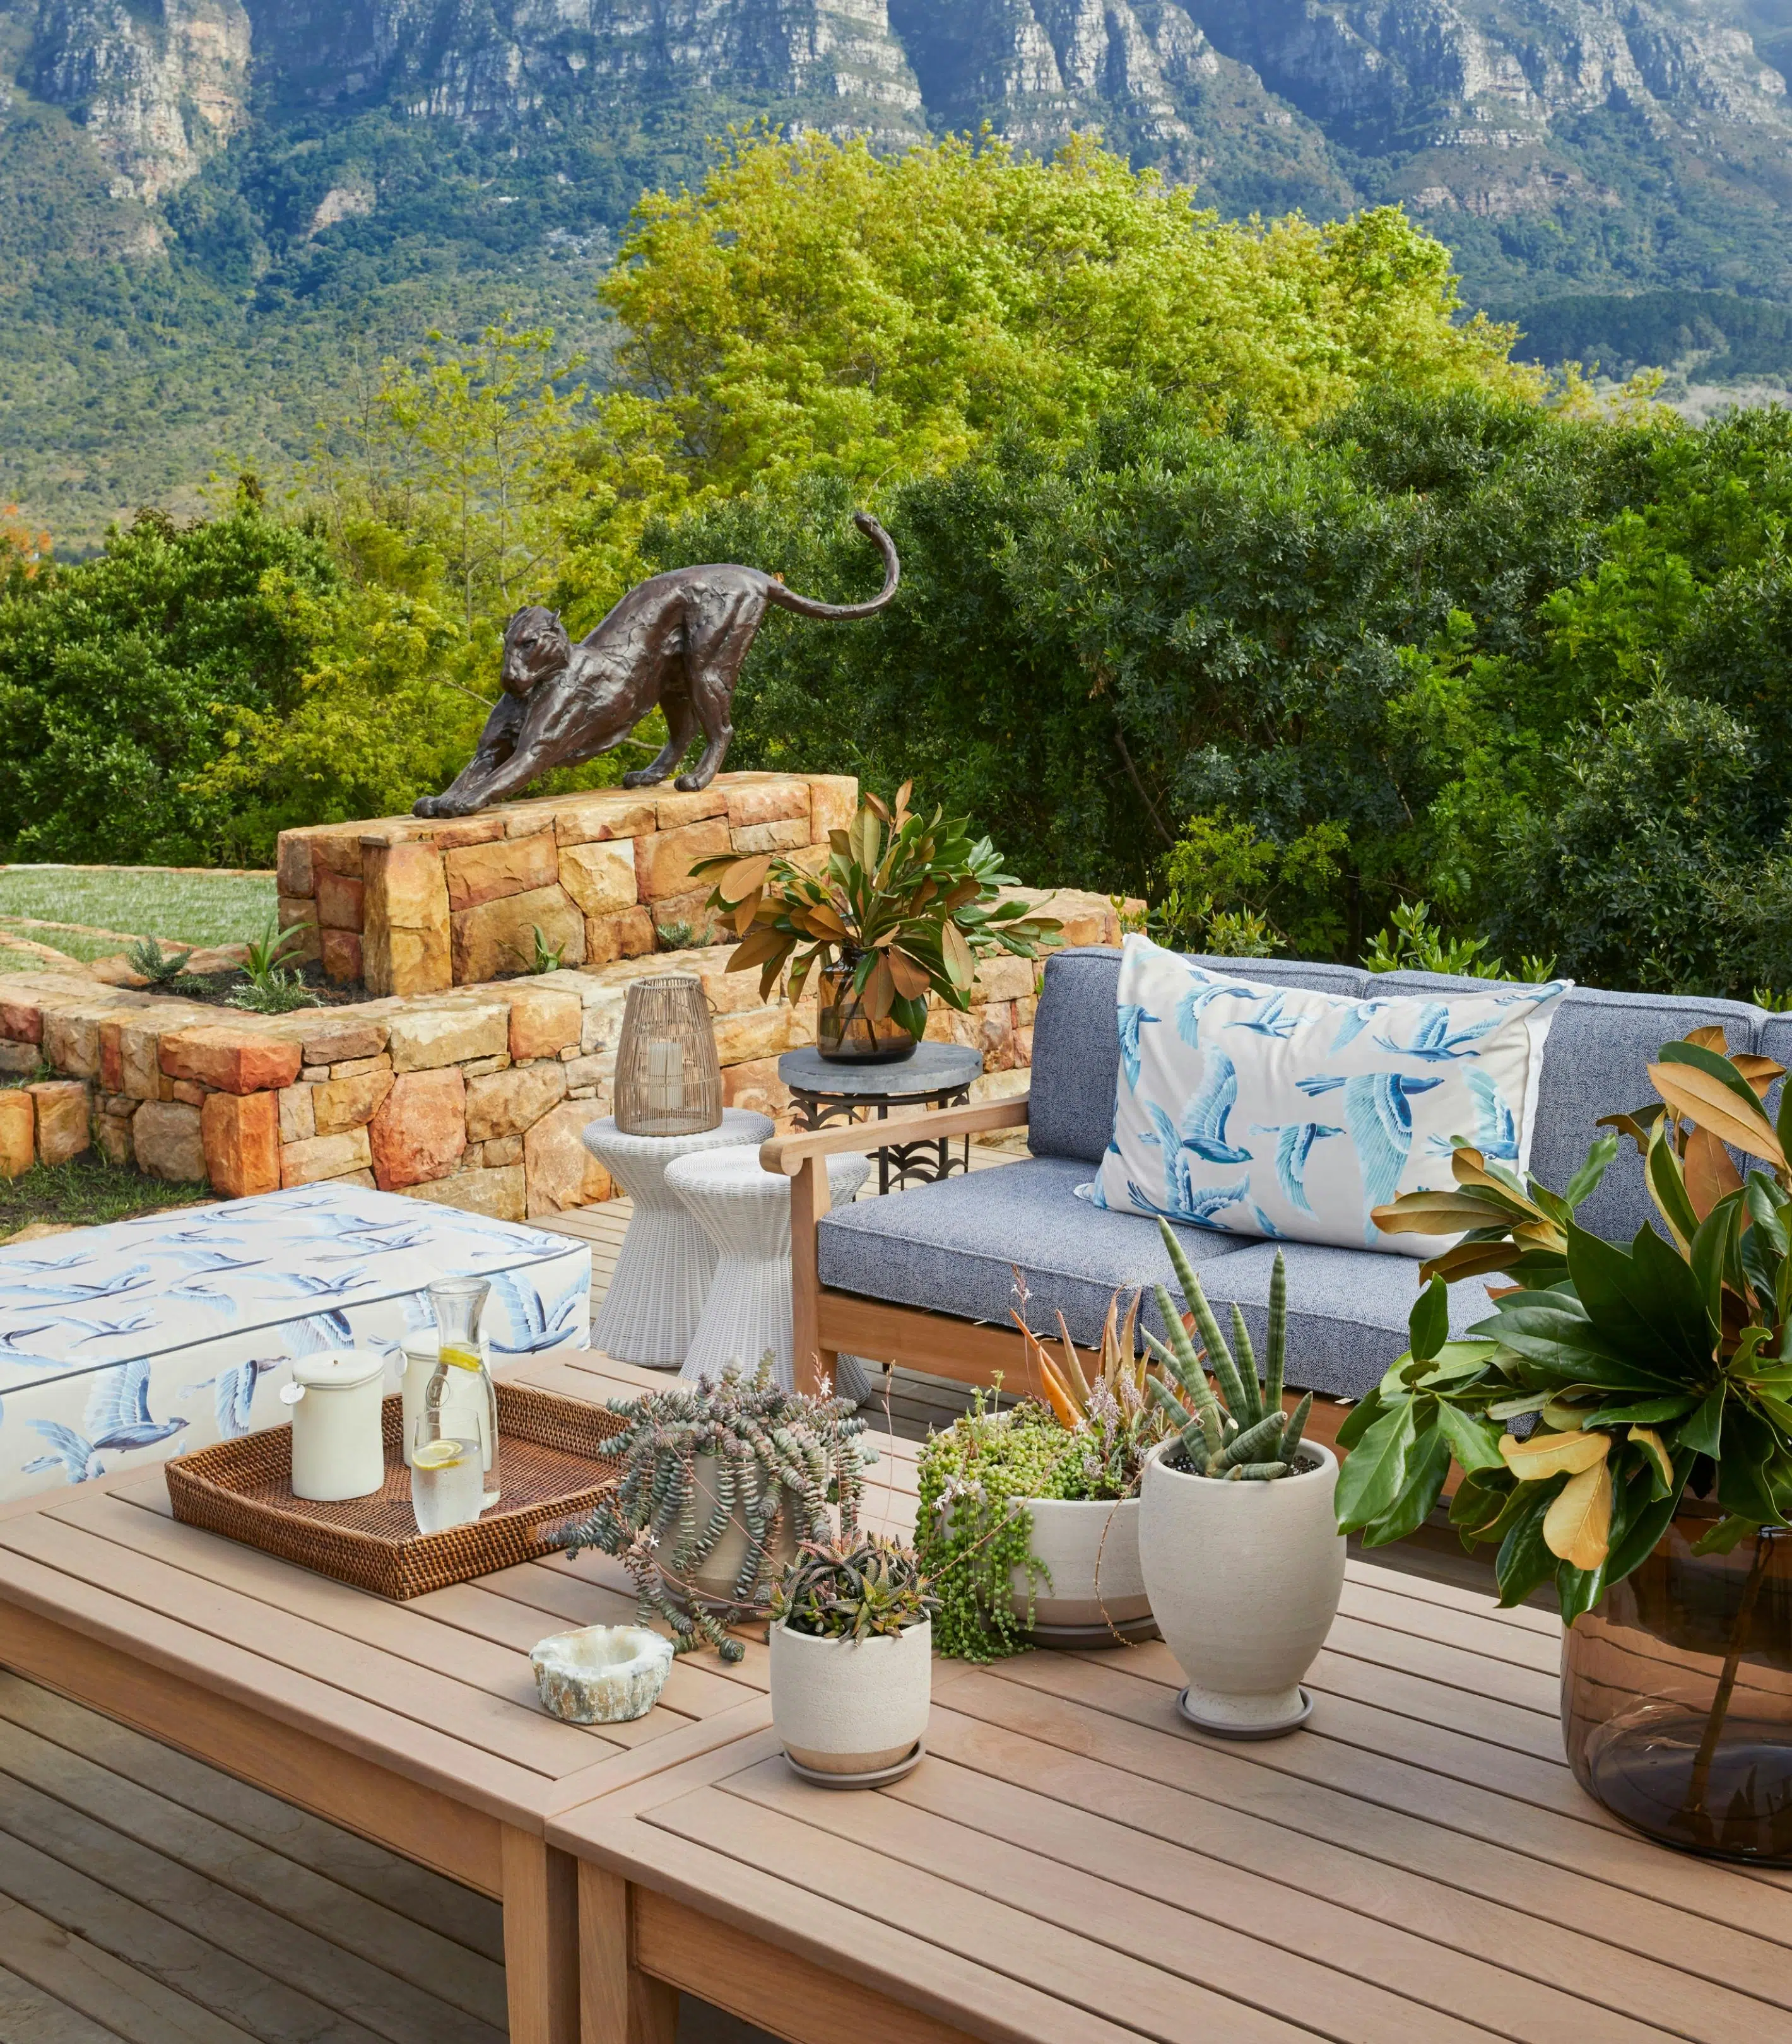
x: 215, y: 214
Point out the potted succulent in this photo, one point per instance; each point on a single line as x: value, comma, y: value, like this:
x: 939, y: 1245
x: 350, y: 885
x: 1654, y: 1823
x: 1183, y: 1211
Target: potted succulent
x: 904, y: 908
x: 721, y: 1481
x: 1029, y: 1517
x: 1623, y: 1420
x: 1243, y: 1561
x: 851, y: 1642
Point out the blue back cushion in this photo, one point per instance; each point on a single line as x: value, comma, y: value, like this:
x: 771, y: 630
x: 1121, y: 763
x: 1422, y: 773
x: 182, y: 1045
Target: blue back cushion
x: 1595, y: 1062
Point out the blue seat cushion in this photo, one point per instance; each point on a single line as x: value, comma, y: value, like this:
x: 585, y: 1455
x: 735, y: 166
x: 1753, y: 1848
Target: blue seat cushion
x: 954, y: 1248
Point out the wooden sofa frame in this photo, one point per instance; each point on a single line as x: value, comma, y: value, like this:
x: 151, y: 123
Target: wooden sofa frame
x: 826, y: 1322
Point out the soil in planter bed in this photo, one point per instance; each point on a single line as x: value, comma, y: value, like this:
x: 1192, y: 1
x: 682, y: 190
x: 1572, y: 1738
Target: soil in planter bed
x: 213, y: 990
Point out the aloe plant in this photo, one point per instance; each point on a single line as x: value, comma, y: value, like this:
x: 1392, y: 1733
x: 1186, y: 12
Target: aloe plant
x: 859, y: 1586
x: 1636, y: 1374
x: 1248, y: 1437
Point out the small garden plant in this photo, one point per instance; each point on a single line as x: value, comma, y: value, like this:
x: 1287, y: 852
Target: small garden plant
x: 1085, y: 1438
x: 857, y: 1587
x: 1250, y: 1438
x: 272, y: 989
x: 160, y: 968
x: 779, y: 1455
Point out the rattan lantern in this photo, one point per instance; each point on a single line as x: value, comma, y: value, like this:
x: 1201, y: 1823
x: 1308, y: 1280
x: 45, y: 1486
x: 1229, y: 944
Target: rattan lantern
x: 668, y: 1078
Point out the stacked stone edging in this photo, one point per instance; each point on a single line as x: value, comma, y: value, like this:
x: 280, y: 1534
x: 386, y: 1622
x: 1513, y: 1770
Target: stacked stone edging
x: 471, y: 1095
x: 416, y: 904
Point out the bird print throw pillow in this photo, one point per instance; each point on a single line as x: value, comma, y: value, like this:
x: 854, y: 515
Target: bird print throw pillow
x: 1271, y: 1111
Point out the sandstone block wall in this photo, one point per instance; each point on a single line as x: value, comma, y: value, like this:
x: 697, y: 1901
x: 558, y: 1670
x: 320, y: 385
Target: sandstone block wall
x: 413, y: 905
x: 472, y: 1095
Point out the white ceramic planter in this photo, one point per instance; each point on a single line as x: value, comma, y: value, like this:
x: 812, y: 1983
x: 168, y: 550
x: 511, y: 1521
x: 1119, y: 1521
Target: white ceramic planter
x: 1244, y: 1580
x: 1091, y: 1551
x: 851, y: 1707
x: 714, y: 1581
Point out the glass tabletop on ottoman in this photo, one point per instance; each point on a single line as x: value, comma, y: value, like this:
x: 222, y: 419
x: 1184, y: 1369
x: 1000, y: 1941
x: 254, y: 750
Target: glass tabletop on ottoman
x: 824, y: 1090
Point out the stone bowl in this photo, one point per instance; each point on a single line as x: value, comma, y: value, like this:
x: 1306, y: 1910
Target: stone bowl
x: 601, y: 1674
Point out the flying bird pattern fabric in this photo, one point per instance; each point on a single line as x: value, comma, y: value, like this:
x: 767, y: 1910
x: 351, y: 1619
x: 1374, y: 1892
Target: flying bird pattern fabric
x: 1289, y: 1115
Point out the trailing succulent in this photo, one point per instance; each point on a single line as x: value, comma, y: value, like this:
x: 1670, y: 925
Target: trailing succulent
x: 861, y: 1587
x: 777, y: 1454
x: 1249, y: 1437
x: 909, y: 902
x: 1607, y: 1383
x: 972, y: 1527
x: 1083, y: 1438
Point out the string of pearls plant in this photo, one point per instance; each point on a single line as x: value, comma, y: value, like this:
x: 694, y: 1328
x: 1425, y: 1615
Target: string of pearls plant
x: 771, y: 1453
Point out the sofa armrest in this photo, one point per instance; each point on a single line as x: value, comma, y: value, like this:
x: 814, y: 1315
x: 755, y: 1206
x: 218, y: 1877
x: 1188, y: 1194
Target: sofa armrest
x: 803, y: 1159
x: 786, y: 1155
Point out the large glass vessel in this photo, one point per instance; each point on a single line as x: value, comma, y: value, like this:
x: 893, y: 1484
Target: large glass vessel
x: 1677, y: 1695
x: 461, y: 1387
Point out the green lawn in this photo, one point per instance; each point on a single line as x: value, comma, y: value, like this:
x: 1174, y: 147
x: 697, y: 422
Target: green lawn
x: 88, y: 1191
x: 191, y: 908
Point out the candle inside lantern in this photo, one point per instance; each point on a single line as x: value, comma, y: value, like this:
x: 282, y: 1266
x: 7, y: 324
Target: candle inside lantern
x: 665, y: 1078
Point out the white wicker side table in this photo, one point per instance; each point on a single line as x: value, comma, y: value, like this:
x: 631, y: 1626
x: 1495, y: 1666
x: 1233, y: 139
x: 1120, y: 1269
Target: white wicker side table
x: 746, y: 1213
x: 662, y: 1276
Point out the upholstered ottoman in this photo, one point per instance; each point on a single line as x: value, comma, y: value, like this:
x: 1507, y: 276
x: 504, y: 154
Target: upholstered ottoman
x: 124, y: 1345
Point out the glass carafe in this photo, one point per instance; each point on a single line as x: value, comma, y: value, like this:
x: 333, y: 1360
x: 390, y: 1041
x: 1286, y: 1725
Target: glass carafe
x: 462, y: 1383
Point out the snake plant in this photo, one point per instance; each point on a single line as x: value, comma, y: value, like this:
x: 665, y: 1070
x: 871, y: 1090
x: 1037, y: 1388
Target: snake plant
x: 1248, y: 1438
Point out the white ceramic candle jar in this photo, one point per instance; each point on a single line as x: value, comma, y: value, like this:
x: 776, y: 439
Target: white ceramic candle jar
x: 334, y: 1399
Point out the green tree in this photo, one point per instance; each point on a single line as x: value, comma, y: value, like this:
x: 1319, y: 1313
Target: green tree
x: 817, y: 309
x: 121, y: 676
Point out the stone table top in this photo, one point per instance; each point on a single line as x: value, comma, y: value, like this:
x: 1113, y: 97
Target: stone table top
x: 935, y: 1068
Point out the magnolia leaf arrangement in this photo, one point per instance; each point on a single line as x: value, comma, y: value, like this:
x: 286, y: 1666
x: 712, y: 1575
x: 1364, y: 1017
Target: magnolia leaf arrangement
x: 909, y: 902
x: 1249, y: 1437
x: 861, y: 1586
x: 1608, y: 1382
x: 774, y: 1452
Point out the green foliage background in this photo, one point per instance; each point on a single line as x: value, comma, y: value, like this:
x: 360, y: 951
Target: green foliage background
x: 1237, y: 573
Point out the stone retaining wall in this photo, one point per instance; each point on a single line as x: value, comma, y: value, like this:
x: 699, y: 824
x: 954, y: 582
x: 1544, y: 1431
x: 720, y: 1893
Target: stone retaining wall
x: 413, y: 905
x: 473, y: 1096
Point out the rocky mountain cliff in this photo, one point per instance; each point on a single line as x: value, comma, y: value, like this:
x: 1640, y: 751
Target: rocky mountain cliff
x: 1472, y: 107
x: 360, y: 167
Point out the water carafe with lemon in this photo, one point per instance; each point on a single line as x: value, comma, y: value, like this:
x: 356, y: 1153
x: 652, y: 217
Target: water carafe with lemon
x: 461, y: 1387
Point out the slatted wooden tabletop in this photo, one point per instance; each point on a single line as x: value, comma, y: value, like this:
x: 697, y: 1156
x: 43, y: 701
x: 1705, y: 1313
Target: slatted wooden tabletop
x: 1073, y: 1862
x: 417, y: 1724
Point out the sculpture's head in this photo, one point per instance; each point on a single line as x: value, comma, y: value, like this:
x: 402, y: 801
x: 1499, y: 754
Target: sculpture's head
x: 535, y: 646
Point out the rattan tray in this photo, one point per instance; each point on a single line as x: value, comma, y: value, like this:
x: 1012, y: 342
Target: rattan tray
x: 548, y: 1473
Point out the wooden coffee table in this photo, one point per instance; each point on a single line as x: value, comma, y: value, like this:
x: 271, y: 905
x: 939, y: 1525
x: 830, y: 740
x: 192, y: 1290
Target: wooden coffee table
x: 415, y: 1724
x: 1071, y: 1864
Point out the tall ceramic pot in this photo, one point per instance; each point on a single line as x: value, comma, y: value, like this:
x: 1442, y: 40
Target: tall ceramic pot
x: 851, y: 1706
x: 1095, y: 1592
x: 1244, y: 1580
x: 1677, y: 1695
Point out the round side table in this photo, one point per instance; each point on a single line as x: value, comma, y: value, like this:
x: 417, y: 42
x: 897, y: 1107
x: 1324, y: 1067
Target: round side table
x: 745, y: 1211
x: 938, y: 1075
x: 662, y: 1276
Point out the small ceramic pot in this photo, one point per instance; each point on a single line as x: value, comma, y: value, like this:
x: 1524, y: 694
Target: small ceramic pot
x: 845, y: 1033
x: 1244, y: 1580
x: 602, y: 1674
x: 714, y: 1581
x: 1091, y: 1550
x: 851, y: 1706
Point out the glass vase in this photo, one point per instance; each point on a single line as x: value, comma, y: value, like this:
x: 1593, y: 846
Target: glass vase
x: 1677, y: 1696
x: 845, y: 1033
x: 461, y: 1388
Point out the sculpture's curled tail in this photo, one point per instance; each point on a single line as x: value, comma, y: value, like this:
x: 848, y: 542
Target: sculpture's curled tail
x: 807, y: 606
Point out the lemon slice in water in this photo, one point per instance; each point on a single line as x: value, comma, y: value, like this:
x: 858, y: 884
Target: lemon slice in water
x: 439, y: 1455
x: 460, y: 1358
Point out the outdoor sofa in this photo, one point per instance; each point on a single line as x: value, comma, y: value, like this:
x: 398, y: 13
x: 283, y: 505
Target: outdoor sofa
x: 926, y: 1277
